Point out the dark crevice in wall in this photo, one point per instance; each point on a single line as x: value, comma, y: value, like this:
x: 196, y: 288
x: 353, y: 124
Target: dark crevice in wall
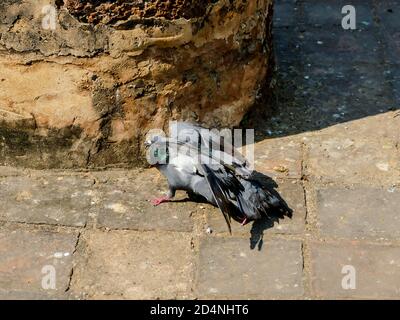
x: 110, y: 12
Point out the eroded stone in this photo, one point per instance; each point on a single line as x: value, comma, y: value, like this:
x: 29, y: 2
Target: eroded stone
x: 135, y: 265
x: 363, y: 212
x: 229, y: 269
x: 56, y: 200
x: 375, y: 269
x: 27, y: 257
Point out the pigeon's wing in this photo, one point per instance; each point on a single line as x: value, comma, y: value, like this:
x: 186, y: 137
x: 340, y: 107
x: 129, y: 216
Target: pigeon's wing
x: 226, y: 189
x: 197, y: 135
x: 178, y: 148
x: 211, y: 144
x: 218, y: 193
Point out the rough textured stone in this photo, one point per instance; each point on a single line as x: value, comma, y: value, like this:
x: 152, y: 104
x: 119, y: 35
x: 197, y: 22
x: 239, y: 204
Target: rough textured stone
x: 104, y: 84
x: 331, y: 158
x: 124, y: 204
x: 48, y: 199
x: 278, y: 157
x: 135, y: 265
x: 112, y: 11
x: 22, y: 31
x: 10, y: 171
x: 345, y: 154
x: 361, y: 212
x: 33, y: 111
x: 23, y: 254
x: 229, y: 269
x: 377, y: 268
x: 291, y: 191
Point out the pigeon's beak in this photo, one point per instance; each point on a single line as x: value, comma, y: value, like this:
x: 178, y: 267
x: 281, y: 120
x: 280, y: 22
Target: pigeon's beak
x: 147, y: 144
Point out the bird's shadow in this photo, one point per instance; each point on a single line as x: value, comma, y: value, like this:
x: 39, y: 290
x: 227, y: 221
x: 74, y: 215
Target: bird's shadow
x: 260, y: 226
x: 191, y: 197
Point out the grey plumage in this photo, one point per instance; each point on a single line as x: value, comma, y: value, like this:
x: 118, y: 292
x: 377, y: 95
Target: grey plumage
x: 217, y: 146
x: 222, y: 177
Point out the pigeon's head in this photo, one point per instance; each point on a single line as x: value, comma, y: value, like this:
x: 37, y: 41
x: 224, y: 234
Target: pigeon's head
x: 157, y: 153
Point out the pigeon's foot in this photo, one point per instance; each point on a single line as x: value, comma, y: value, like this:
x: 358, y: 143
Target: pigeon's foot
x: 245, y: 221
x: 156, y: 202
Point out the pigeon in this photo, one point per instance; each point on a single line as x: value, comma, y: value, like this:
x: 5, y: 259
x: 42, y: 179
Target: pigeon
x: 221, y: 177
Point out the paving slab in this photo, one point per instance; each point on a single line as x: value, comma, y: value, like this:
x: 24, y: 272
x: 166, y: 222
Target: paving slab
x: 388, y: 12
x: 285, y: 13
x: 279, y: 158
x: 11, y: 171
x: 392, y: 46
x: 48, y: 199
x: 339, y: 93
x: 338, y: 46
x: 353, y: 161
x: 228, y: 268
x: 363, y: 212
x: 28, y: 258
x: 124, y: 203
x: 376, y: 269
x: 134, y: 265
x: 338, y: 155
x: 291, y: 191
x: 394, y: 74
x: 379, y: 127
x: 286, y: 46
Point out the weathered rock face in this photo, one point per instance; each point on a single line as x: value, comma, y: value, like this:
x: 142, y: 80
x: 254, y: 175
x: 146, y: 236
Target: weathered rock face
x: 112, y: 11
x: 82, y: 82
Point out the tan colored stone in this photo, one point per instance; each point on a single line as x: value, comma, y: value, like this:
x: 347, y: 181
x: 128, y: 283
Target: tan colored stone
x: 356, y: 155
x: 279, y: 157
x: 27, y: 256
x: 47, y: 93
x: 136, y: 265
x: 86, y: 94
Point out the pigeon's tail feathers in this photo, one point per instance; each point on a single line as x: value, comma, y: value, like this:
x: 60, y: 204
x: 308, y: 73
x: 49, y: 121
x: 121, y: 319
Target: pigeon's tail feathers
x: 276, y: 205
x: 271, y: 199
x: 256, y: 201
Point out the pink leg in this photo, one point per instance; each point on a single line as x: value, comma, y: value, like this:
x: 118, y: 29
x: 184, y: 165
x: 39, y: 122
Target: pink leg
x: 156, y: 202
x: 244, y: 222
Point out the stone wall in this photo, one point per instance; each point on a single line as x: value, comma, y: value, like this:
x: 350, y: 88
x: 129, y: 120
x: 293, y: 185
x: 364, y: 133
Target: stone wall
x: 82, y: 82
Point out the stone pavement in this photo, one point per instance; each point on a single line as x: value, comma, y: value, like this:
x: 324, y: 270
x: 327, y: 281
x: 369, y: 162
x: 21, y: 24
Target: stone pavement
x: 332, y: 146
